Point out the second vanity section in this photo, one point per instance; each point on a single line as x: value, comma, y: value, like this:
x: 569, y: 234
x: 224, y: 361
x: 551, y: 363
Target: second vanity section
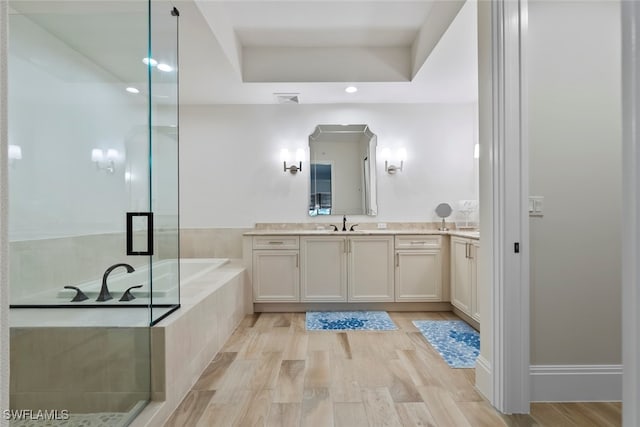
x: 367, y: 267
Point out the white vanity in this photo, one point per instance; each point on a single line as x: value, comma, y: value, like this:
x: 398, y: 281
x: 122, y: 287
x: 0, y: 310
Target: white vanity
x: 367, y: 269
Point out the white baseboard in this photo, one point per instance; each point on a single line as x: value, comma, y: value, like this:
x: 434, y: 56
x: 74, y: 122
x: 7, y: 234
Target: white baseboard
x: 483, y: 377
x: 576, y: 383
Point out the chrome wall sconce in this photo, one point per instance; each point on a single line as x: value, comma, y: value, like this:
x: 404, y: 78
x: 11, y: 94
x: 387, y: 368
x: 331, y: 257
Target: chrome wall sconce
x: 285, y: 157
x: 15, y: 153
x: 105, y: 161
x: 400, y: 156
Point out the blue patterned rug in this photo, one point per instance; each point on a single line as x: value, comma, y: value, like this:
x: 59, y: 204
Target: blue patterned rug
x: 349, y: 321
x: 456, y: 341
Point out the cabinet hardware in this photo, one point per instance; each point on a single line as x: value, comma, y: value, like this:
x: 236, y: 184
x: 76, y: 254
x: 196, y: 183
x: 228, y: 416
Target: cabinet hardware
x: 397, y: 260
x: 417, y: 243
x: 297, y: 261
x: 349, y: 243
x: 276, y: 243
x: 467, y: 251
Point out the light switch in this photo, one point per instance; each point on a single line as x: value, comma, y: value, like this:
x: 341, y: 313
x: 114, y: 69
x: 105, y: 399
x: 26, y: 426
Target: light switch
x: 536, y: 205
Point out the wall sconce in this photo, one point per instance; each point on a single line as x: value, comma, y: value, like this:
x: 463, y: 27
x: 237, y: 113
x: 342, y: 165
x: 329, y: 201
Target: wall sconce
x: 104, y: 161
x: 285, y: 157
x: 15, y: 153
x: 401, y: 156
x: 476, y: 151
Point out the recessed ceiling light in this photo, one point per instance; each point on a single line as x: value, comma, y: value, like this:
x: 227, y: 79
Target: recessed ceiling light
x: 132, y: 90
x: 351, y: 89
x: 150, y: 61
x: 164, y: 67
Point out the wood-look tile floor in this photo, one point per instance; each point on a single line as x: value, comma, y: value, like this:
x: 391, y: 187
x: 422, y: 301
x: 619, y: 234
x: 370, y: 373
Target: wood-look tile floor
x: 272, y: 372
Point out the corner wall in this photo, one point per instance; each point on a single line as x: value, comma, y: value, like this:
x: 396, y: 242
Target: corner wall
x: 575, y: 162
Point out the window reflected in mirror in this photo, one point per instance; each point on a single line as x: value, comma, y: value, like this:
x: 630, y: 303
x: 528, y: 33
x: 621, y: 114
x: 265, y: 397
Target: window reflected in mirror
x: 342, y: 170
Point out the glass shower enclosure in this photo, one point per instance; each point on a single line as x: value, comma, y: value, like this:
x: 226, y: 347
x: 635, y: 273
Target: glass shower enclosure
x: 93, y: 215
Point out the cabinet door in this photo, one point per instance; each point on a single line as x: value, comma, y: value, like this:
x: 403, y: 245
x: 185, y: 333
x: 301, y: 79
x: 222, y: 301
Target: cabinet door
x: 323, y: 269
x: 460, y: 275
x: 418, y: 275
x: 370, y: 268
x: 475, y: 306
x: 276, y: 276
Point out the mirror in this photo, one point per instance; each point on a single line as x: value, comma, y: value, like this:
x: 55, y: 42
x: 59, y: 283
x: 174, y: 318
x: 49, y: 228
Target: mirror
x: 342, y: 170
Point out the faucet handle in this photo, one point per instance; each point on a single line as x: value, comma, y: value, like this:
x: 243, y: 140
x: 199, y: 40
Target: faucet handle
x: 128, y: 296
x: 80, y: 296
x: 353, y: 229
x: 335, y: 228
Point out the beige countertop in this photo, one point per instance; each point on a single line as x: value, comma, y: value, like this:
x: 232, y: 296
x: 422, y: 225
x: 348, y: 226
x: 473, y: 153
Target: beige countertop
x: 364, y: 232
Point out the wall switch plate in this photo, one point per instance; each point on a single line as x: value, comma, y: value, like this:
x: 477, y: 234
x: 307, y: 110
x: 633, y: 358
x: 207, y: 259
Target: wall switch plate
x: 382, y: 226
x: 536, y: 206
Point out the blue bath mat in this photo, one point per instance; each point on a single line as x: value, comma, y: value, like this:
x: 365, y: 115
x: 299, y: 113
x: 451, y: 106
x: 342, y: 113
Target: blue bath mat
x: 456, y: 341
x: 349, y: 321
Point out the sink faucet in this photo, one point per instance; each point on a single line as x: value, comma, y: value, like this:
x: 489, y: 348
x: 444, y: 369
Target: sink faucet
x: 344, y: 223
x: 104, y: 290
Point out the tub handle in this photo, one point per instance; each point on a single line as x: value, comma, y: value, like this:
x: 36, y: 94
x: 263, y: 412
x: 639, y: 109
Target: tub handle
x: 80, y: 296
x: 128, y: 296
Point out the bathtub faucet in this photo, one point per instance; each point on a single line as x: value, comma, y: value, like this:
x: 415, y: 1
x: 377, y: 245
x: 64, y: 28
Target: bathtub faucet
x: 104, y: 290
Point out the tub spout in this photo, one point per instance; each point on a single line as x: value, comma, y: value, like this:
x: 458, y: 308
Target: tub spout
x: 104, y: 290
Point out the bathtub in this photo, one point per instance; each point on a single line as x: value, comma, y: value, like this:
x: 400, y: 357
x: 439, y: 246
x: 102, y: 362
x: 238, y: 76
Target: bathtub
x: 164, y: 276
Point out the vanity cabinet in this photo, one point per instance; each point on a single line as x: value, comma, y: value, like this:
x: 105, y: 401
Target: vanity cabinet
x: 276, y: 269
x: 341, y: 269
x: 464, y: 267
x: 418, y: 268
x: 370, y: 274
x: 323, y: 269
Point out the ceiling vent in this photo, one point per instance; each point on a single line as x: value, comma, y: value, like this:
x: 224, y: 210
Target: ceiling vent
x: 287, y: 98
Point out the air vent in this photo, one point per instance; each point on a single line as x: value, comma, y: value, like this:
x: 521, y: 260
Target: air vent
x: 287, y: 98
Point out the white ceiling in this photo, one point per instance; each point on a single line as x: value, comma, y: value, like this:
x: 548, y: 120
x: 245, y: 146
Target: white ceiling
x: 245, y: 51
x: 242, y: 52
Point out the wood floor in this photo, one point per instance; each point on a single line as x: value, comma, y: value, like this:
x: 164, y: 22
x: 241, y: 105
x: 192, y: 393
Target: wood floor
x: 272, y: 372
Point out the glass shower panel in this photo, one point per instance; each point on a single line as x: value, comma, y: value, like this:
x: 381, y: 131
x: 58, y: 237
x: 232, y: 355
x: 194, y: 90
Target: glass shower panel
x: 163, y: 102
x: 79, y: 128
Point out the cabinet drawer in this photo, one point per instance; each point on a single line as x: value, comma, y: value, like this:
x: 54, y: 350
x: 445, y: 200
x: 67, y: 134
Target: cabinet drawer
x: 418, y: 242
x: 275, y: 242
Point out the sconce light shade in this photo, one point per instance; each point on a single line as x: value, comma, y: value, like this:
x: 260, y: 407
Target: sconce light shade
x: 97, y: 155
x: 105, y: 161
x: 401, y: 156
x: 285, y: 157
x: 15, y: 152
x: 476, y: 151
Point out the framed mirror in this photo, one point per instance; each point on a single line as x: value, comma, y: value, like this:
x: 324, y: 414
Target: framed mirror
x: 342, y: 170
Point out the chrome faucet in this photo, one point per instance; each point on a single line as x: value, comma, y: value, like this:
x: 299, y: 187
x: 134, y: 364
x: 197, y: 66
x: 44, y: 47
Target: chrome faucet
x: 344, y: 223
x: 104, y: 290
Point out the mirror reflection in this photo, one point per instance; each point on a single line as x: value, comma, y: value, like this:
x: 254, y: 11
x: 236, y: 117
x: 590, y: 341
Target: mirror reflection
x: 342, y: 170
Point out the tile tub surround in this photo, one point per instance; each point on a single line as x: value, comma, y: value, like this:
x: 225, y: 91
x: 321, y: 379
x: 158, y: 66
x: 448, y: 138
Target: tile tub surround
x: 211, y: 242
x: 184, y: 343
x: 49, y: 264
x: 80, y: 369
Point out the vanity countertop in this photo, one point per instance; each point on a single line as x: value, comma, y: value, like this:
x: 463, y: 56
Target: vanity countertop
x: 363, y: 232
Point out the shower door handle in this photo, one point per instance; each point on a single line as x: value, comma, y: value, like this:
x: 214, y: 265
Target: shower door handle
x: 149, y: 218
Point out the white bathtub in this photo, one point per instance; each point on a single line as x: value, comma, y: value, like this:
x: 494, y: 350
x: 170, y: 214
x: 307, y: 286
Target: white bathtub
x: 163, y: 276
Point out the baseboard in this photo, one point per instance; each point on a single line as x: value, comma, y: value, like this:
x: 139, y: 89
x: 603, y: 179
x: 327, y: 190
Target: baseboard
x: 483, y: 377
x: 576, y: 383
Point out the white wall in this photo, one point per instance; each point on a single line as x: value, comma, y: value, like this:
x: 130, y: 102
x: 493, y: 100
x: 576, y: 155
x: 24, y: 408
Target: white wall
x: 231, y: 174
x: 62, y: 106
x: 575, y: 162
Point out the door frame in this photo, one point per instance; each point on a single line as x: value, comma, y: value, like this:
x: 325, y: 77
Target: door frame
x: 502, y: 372
x: 630, y: 16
